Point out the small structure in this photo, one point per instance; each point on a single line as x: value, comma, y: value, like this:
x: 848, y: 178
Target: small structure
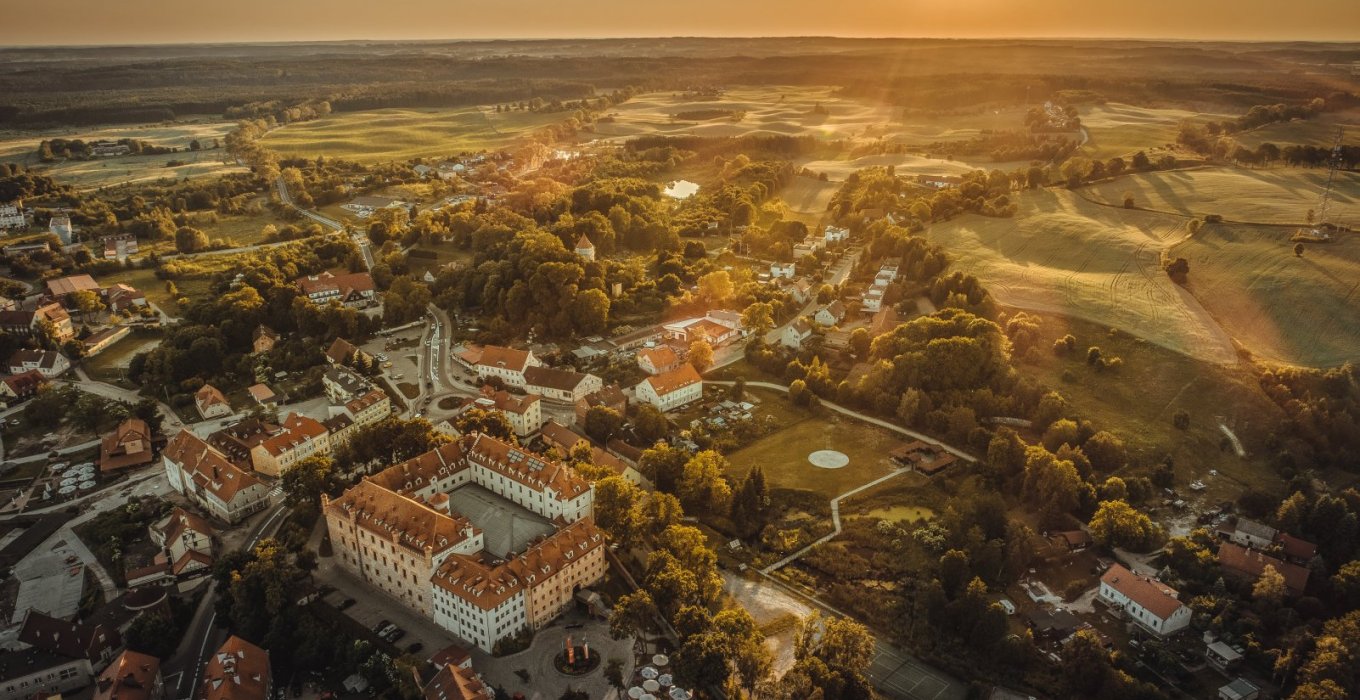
x: 1052, y: 625
x: 129, y: 446
x: 343, y: 352
x: 923, y: 457
x: 100, y: 341
x: 1239, y: 689
x: 263, y: 395
x: 585, y: 248
x: 265, y: 339
x: 211, y: 403
x: 609, y: 396
x: 835, y: 234
x: 1222, y: 657
x: 780, y: 270
x: 1071, y: 540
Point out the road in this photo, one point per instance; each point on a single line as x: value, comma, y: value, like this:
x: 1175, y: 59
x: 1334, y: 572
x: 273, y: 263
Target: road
x: 202, y: 637
x: 287, y: 200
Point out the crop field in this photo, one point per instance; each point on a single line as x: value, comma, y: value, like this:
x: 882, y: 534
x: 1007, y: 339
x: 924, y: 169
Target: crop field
x: 1268, y: 195
x: 1063, y: 254
x: 1122, y: 130
x: 22, y: 147
x: 400, y: 134
x: 1296, y: 310
x: 1320, y: 131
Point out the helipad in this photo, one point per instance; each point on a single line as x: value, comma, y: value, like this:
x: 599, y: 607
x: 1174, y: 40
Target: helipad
x: 828, y: 459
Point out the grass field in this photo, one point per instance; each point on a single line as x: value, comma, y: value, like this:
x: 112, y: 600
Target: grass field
x: 400, y: 134
x: 1271, y: 195
x: 1122, y: 130
x: 1296, y: 310
x: 1320, y: 131
x: 22, y: 146
x: 154, y: 287
x: 447, y: 253
x: 1063, y: 254
x: 784, y: 454
x: 108, y: 366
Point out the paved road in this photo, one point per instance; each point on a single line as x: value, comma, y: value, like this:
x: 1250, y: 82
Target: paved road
x: 287, y: 199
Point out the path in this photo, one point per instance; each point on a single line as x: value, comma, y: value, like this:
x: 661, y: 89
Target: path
x: 835, y: 521
x: 287, y: 199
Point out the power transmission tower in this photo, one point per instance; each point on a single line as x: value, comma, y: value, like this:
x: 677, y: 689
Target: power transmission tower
x: 1333, y: 165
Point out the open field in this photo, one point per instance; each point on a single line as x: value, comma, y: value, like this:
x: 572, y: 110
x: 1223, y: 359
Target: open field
x: 784, y: 454
x: 1319, y: 131
x: 1122, y: 130
x: 1269, y: 196
x: 109, y: 365
x: 446, y: 252
x: 1295, y: 310
x: 1063, y: 254
x: 153, y: 287
x: 400, y: 134
x: 22, y: 147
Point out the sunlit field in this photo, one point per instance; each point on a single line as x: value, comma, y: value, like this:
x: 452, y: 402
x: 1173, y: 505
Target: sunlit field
x: 1264, y: 195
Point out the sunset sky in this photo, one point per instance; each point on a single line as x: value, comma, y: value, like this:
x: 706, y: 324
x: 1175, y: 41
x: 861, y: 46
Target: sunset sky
x: 188, y: 21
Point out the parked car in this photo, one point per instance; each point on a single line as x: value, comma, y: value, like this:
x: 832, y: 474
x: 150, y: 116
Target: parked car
x: 414, y: 648
x: 346, y: 603
x: 382, y: 626
x: 396, y: 635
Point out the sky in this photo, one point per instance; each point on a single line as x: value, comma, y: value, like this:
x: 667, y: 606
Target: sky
x: 68, y: 22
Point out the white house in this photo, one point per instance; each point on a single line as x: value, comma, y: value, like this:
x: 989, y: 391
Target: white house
x: 658, y: 359
x: 835, y: 234
x: 1148, y: 602
x: 872, y: 301
x: 801, y: 290
x: 782, y: 270
x: 525, y: 413
x: 585, y: 248
x: 560, y: 385
x: 48, y: 363
x: 205, y: 476
x: 12, y: 216
x: 506, y: 363
x: 796, y: 333
x: 831, y: 314
x: 670, y: 390
x: 211, y: 403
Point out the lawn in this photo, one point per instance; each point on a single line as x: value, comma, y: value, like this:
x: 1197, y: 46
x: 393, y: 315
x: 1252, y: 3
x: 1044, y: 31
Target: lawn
x: 1268, y: 195
x: 154, y: 288
x: 1319, y: 131
x: 1063, y: 254
x: 445, y: 253
x: 1288, y: 309
x: 401, y: 134
x: 108, y: 366
x: 784, y: 454
x: 22, y: 146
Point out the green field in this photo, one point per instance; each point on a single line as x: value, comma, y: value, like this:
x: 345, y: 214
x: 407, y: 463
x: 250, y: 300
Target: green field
x: 1295, y: 310
x: 1122, y: 130
x: 1269, y: 195
x: 22, y: 146
x: 1319, y: 131
x: 154, y: 287
x: 401, y: 134
x: 1063, y: 254
x: 108, y: 366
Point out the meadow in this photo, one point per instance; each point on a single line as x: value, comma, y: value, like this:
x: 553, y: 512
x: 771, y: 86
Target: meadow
x: 401, y: 134
x: 1120, y: 130
x: 1063, y: 254
x: 1281, y: 307
x: 1319, y: 131
x: 22, y: 147
x: 1255, y: 195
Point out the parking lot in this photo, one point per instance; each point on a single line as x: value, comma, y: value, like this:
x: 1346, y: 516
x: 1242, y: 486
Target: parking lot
x: 372, y: 606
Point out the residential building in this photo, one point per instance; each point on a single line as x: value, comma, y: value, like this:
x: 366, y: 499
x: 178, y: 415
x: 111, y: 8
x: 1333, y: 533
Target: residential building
x: 525, y: 412
x: 131, y: 676
x: 61, y: 227
x: 343, y: 352
x: 561, y: 385
x: 585, y: 248
x: 26, y: 323
x: 610, y: 396
x: 54, y: 657
x: 129, y: 446
x: 397, y: 530
x: 507, y: 364
x: 1151, y: 604
x: 264, y: 339
x: 121, y: 297
x: 454, y: 682
x: 237, y: 440
x: 715, y: 327
x: 238, y: 671
x: 780, y: 270
x: 366, y: 409
x: 12, y: 216
x: 17, y: 387
x: 1249, y: 564
x: 187, y: 541
x: 211, y: 403
x: 263, y: 395
x: 299, y: 438
x: 353, y: 289
x: 801, y: 290
x: 835, y: 234
x: 342, y: 384
x: 61, y: 287
x: 671, y: 390
x: 205, y: 476
x: 48, y: 363
x: 795, y: 334
x: 872, y: 299
x: 1239, y: 689
x: 1249, y: 533
x: 831, y: 314
x: 658, y: 359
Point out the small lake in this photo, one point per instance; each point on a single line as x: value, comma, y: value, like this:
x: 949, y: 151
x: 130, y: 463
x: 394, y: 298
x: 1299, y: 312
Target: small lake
x: 681, y: 189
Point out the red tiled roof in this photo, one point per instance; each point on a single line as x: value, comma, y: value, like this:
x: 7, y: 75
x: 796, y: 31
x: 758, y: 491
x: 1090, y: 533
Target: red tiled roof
x: 131, y: 676
x: 1295, y: 548
x: 1252, y: 563
x: 507, y: 358
x: 454, y: 682
x: 209, y: 468
x: 676, y: 379
x: 1153, y: 595
x: 238, y: 671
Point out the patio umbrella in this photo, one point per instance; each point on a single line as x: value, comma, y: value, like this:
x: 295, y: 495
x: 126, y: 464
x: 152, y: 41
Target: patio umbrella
x: 651, y: 686
x: 649, y: 673
x: 660, y: 660
x: 679, y: 694
x: 635, y: 692
x: 647, y: 696
x: 665, y: 679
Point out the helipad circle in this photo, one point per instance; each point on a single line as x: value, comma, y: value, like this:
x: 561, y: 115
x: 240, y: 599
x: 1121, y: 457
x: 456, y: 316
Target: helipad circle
x: 828, y: 459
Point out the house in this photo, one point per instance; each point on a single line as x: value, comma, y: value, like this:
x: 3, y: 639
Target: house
x: 507, y: 364
x: 456, y: 682
x: 835, y: 234
x: 100, y: 341
x: 1253, y: 535
x: 119, y: 246
x: 54, y: 657
x: 205, y: 476
x: 12, y: 216
x: 561, y: 385
x: 130, y: 445
x: 365, y: 409
x: 1052, y: 625
x: 238, y: 670
x: 131, y: 676
x: 48, y: 363
x: 831, y: 314
x: 610, y: 396
x: 211, y: 403
x: 187, y: 540
x: 121, y: 297
x: 1149, y: 603
x: 343, y: 352
x: 17, y: 387
x: 780, y: 270
x: 1249, y: 564
x: 872, y: 299
x: 352, y: 289
x: 658, y: 359
x: 1239, y: 689
x: 263, y: 395
x: 1294, y: 549
x: 715, y: 328
x: 264, y: 339
x: 342, y: 384
x: 1249, y: 533
x: 61, y: 287
x: 585, y: 248
x: 299, y: 438
x: 60, y: 226
x: 670, y: 390
x: 1071, y: 540
x: 922, y: 456
x: 795, y: 334
x: 237, y: 440
x: 560, y: 439
x: 26, y: 323
x: 1221, y: 656
x: 801, y: 290
x: 525, y: 413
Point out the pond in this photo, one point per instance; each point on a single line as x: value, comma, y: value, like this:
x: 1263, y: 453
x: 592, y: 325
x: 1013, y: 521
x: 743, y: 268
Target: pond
x: 681, y: 189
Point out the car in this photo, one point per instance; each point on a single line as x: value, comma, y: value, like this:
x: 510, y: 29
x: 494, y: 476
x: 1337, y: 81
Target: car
x: 382, y: 625
x: 396, y: 636
x: 414, y: 648
x: 1007, y: 605
x: 346, y: 603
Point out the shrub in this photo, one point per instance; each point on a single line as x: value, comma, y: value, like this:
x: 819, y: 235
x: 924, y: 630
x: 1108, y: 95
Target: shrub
x: 1181, y: 420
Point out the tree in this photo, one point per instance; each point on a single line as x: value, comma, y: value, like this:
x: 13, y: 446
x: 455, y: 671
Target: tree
x: 305, y: 481
x: 750, y: 504
x: 1061, y: 432
x: 1178, y: 270
x: 591, y: 311
x: 617, y: 509
x: 758, y: 318
x: 189, y: 240
x: 493, y: 423
x: 1270, y: 587
x: 602, y: 423
x: 1117, y: 524
x: 86, y: 302
x: 701, y: 355
x: 154, y: 634
x: 1105, y: 450
x: 859, y: 342
x: 715, y: 287
x: 702, y: 486
x: 386, y: 442
x: 632, y: 615
x: 613, y: 673
x: 1298, y: 250
x: 650, y: 424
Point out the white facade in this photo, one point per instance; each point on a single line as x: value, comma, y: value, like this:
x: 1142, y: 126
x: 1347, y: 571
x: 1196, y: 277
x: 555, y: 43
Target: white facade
x: 481, y: 627
x: 672, y: 399
x: 795, y: 334
x: 835, y: 234
x: 782, y: 270
x: 1116, y: 594
x: 12, y: 216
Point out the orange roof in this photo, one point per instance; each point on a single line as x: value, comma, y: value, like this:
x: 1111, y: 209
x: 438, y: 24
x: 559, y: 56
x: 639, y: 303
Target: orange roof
x: 345, y: 284
x: 454, y: 682
x: 676, y: 379
x: 511, y: 403
x: 397, y: 517
x: 584, y: 243
x: 1153, y: 595
x: 238, y: 671
x: 114, y: 455
x: 296, y: 430
x: 372, y: 397
x: 62, y: 286
x: 1253, y: 563
x: 660, y: 357
x: 1294, y: 547
x: 472, y: 580
x: 506, y: 358
x: 189, y: 556
x: 525, y: 467
x: 181, y: 521
x: 560, y: 437
x: 261, y: 393
x: 131, y: 676
x: 210, y: 469
x: 208, y: 395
